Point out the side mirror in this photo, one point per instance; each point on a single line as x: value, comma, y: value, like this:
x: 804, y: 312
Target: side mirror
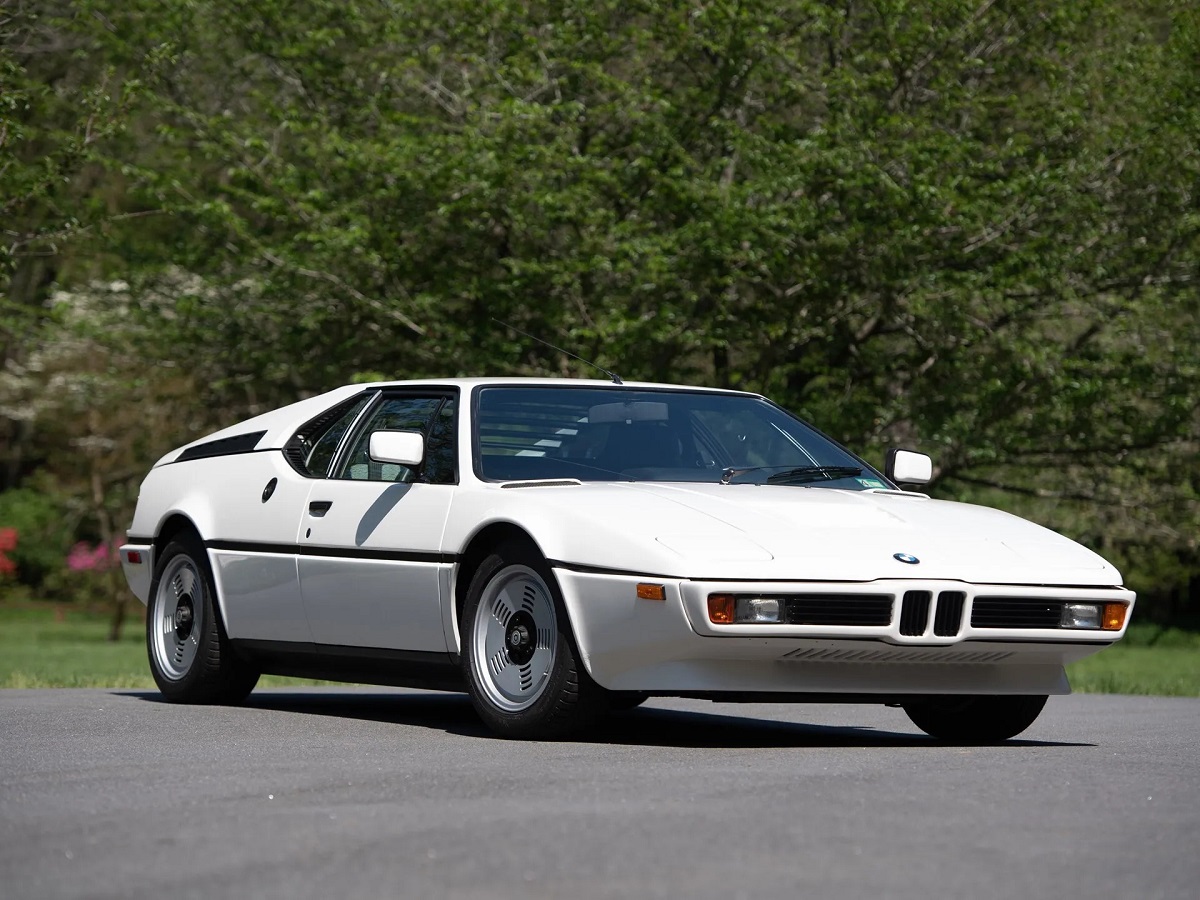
x: 907, y: 467
x: 407, y: 448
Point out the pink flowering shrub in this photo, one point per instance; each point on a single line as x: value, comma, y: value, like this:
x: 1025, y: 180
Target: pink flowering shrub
x: 8, y: 543
x: 86, y: 558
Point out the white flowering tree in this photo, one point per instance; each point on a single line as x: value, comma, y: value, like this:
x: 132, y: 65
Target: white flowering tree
x: 95, y: 402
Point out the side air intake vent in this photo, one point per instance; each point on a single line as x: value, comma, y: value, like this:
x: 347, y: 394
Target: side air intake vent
x: 241, y: 443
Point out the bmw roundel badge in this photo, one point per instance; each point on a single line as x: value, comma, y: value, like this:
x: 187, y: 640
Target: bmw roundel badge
x: 906, y: 558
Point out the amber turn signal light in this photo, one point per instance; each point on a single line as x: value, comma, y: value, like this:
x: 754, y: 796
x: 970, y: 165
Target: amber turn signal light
x: 1114, y: 616
x: 720, y: 609
x: 651, y: 592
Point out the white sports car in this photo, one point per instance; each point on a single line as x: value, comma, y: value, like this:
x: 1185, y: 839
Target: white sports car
x: 562, y: 548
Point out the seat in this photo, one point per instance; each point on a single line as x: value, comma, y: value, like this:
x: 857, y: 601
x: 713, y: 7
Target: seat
x: 641, y: 445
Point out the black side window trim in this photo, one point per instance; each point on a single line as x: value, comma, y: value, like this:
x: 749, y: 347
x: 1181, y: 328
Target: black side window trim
x: 335, y: 416
x: 453, y: 436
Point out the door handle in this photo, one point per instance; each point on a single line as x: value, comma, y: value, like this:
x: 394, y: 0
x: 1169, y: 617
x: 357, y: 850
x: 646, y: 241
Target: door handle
x: 319, y: 507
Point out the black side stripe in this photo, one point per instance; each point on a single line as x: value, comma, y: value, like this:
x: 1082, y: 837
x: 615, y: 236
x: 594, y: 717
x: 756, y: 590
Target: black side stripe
x: 603, y: 570
x: 585, y: 569
x: 333, y: 552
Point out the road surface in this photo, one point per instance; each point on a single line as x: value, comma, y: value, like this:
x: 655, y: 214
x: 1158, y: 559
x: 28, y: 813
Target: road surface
x: 332, y: 793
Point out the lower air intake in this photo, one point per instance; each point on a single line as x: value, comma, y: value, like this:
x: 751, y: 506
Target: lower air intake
x: 1016, y: 612
x: 947, y: 621
x: 914, y: 612
x: 838, y: 609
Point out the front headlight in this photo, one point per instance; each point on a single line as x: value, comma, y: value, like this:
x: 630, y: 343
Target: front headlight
x: 726, y: 609
x: 1102, y: 616
x: 1080, y: 615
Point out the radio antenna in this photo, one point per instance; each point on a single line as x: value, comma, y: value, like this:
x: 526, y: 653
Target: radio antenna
x: 616, y: 379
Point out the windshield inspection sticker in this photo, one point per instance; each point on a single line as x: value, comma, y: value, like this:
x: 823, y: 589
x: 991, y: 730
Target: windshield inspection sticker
x: 870, y: 482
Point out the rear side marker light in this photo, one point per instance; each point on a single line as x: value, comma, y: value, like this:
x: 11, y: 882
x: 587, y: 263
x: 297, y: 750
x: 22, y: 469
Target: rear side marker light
x: 651, y: 592
x: 134, y: 557
x: 1114, y: 616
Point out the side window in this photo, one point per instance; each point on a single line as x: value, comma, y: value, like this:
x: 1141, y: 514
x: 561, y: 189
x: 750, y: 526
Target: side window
x: 312, y: 448
x: 440, y: 447
x: 393, y: 414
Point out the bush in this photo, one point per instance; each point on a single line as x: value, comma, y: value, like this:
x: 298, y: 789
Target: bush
x: 41, y: 535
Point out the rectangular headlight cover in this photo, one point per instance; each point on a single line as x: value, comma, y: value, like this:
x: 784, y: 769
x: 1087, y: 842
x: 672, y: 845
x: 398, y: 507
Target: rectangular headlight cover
x: 758, y: 610
x: 1081, y: 615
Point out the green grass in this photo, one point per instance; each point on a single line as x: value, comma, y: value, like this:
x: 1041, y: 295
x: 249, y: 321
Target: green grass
x: 45, y: 646
x: 1149, y: 660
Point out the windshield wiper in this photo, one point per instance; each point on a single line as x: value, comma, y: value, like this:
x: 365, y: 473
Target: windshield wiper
x: 794, y: 474
x: 806, y: 474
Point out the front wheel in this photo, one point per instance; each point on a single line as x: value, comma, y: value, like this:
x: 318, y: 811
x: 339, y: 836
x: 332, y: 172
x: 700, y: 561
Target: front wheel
x: 520, y: 660
x: 190, y: 655
x: 974, y: 720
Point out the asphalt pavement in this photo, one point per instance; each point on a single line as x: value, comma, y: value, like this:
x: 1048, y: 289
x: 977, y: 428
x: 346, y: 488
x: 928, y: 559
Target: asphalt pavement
x: 340, y: 793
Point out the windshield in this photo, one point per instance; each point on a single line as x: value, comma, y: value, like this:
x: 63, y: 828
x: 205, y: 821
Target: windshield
x: 631, y: 434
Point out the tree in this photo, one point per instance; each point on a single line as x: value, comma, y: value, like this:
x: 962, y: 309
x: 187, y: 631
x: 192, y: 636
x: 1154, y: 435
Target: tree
x: 968, y: 226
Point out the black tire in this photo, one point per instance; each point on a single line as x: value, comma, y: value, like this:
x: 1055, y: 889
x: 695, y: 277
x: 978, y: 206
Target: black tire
x: 622, y: 701
x: 975, y: 720
x: 519, y: 656
x: 191, y: 657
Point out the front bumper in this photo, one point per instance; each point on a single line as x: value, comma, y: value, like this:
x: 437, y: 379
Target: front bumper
x: 670, y: 646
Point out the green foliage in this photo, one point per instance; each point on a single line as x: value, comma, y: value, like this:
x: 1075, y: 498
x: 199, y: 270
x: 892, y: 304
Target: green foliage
x: 44, y: 535
x: 966, y: 228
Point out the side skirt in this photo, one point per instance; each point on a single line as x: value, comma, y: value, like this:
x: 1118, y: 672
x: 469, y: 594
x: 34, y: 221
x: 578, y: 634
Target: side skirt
x: 363, y: 665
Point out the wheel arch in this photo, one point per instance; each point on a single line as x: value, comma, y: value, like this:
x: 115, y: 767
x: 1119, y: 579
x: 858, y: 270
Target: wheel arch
x: 480, y: 544
x: 179, y: 524
x: 173, y: 526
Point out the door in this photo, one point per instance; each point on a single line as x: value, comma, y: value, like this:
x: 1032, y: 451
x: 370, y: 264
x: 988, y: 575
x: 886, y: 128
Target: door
x: 261, y: 496
x: 371, y: 567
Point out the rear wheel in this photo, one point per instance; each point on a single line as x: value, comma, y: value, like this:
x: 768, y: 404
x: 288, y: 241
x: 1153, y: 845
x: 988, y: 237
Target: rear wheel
x: 520, y: 660
x: 190, y: 654
x: 975, y: 720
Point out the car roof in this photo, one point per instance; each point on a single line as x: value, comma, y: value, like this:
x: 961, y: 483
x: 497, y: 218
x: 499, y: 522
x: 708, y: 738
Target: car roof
x: 525, y: 381
x: 280, y: 424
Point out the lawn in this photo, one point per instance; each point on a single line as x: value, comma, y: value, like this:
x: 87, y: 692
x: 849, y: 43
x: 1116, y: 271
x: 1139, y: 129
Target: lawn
x: 1149, y: 660
x: 44, y: 646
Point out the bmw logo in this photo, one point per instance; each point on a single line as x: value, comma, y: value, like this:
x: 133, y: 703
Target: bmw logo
x: 906, y: 558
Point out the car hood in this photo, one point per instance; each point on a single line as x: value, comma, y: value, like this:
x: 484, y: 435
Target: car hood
x: 802, y: 533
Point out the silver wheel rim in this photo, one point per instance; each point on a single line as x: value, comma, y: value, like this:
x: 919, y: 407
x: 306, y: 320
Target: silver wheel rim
x: 179, y: 618
x: 513, y: 639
